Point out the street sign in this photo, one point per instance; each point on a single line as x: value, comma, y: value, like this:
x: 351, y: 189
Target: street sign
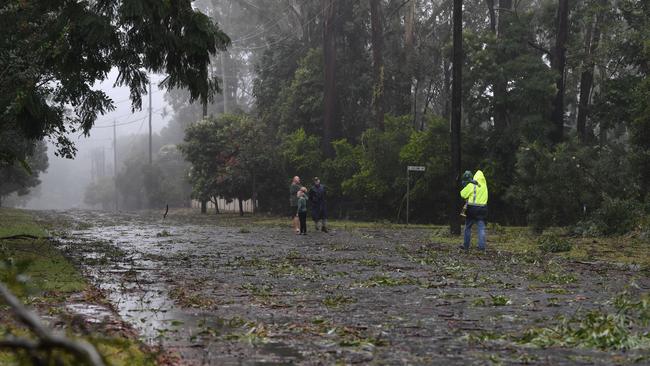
x: 409, y: 169
x: 416, y: 168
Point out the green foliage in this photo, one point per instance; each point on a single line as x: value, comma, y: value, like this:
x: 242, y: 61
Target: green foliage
x: 509, y: 88
x: 622, y: 329
x: 557, y: 186
x: 380, y: 181
x: 30, y: 264
x: 301, y: 106
x: 53, y: 52
x: 344, y: 165
x: 614, y: 217
x: 231, y: 157
x: 430, y: 148
x: 548, y: 243
x: 21, y: 173
x: 337, y: 301
x: 381, y: 280
x: 302, y: 153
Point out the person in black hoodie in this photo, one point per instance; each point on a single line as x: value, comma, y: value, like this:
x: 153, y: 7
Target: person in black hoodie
x: 318, y: 201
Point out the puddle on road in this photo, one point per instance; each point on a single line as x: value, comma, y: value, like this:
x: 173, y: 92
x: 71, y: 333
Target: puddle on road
x: 92, y: 313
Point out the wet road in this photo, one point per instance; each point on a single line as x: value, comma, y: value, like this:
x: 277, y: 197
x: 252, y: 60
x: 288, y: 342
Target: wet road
x: 239, y: 294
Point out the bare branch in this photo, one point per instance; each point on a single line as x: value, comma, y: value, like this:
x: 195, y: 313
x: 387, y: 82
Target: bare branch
x: 82, y: 349
x: 538, y: 47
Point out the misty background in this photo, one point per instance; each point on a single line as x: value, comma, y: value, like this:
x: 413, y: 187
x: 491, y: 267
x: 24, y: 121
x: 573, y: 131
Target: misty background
x: 64, y: 182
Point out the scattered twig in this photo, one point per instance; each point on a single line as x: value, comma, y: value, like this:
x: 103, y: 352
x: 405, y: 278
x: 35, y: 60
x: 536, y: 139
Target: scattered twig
x: 46, y: 340
x: 19, y: 237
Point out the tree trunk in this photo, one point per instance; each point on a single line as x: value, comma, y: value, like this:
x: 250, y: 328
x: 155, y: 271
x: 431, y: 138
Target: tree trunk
x: 378, y: 62
x: 558, y: 63
x: 329, y: 53
x: 493, y: 21
x: 456, y: 114
x: 587, y: 77
x: 446, y: 113
x: 501, y: 84
x: 224, y: 82
x: 241, y: 206
x: 215, y: 202
x: 254, y: 195
x: 204, y: 202
x: 409, y: 28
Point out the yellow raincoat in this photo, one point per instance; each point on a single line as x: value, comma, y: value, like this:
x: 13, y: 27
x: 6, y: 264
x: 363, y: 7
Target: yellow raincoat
x: 476, y: 195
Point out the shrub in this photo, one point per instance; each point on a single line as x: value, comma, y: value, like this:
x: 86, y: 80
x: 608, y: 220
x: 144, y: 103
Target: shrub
x: 614, y: 217
x: 553, y: 244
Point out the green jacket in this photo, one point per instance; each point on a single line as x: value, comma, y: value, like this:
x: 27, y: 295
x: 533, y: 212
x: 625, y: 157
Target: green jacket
x: 293, y: 199
x: 302, y: 204
x: 476, y: 194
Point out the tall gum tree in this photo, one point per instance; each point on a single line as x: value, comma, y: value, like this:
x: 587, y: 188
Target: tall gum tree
x: 377, y: 62
x: 558, y: 64
x: 592, y: 40
x: 456, y: 114
x: 329, y: 52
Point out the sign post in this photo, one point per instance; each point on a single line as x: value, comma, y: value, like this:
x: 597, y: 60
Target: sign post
x: 409, y: 169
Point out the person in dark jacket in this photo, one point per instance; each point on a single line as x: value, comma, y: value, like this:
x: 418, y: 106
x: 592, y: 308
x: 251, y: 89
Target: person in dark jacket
x: 318, y: 201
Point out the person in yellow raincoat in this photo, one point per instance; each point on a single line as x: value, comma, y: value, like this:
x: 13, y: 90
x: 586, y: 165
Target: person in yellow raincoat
x: 475, y: 193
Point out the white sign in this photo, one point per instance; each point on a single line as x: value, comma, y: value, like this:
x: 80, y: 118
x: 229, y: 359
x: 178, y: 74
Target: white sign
x: 416, y: 168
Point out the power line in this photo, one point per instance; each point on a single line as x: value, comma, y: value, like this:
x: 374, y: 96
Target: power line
x: 129, y: 99
x: 131, y: 121
x: 261, y: 27
x: 288, y: 36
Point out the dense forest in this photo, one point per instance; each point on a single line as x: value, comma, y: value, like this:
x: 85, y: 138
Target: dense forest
x: 554, y: 107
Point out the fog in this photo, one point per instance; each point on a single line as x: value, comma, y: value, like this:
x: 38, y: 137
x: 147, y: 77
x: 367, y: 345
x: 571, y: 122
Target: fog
x: 63, y: 184
x: 66, y: 182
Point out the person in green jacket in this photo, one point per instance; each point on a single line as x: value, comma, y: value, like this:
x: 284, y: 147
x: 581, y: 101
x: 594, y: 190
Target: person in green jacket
x: 475, y: 192
x: 302, y: 211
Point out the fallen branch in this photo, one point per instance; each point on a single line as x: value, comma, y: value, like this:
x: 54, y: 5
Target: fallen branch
x: 46, y: 339
x: 19, y: 237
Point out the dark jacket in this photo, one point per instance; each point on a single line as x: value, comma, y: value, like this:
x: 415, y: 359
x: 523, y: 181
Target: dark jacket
x: 318, y: 201
x: 293, y: 191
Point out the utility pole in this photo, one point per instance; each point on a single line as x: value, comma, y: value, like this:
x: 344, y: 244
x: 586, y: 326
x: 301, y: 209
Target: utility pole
x: 456, y: 114
x: 204, y: 203
x: 150, y: 153
x: 225, y: 84
x: 408, y: 194
x: 115, y: 162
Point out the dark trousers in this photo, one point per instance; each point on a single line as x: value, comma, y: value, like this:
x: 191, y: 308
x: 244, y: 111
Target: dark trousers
x: 303, y: 222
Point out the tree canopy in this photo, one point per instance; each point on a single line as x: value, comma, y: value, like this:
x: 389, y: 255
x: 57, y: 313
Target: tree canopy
x: 53, y: 52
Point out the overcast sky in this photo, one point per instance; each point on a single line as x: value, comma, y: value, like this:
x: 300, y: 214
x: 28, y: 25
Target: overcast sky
x: 64, y: 182
x: 130, y: 123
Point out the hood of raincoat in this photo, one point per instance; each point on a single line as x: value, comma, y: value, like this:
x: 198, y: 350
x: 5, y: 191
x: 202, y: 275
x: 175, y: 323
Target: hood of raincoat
x: 476, y: 194
x: 480, y: 178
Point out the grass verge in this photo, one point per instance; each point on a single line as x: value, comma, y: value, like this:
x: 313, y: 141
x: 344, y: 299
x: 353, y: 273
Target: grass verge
x: 36, y: 271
